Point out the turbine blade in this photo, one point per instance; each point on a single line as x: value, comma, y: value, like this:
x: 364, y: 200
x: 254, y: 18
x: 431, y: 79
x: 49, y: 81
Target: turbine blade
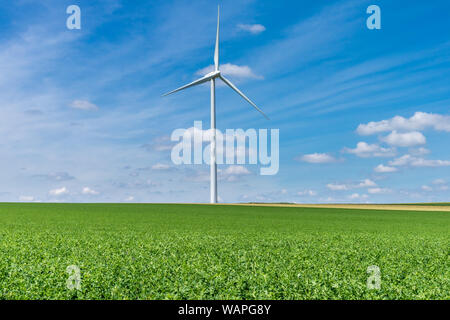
x: 232, y: 86
x: 193, y: 83
x: 216, y: 51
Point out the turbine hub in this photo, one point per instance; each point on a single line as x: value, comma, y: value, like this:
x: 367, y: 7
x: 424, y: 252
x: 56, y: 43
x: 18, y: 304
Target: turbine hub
x: 213, y: 74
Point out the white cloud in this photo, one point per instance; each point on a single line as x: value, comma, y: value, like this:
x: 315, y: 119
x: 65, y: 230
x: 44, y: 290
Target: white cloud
x: 84, y: 105
x: 340, y: 187
x: 419, y: 151
x: 252, y: 28
x: 408, y: 139
x: 130, y: 198
x: 419, y: 121
x: 311, y: 193
x: 55, y: 176
x: 355, y: 196
x: 163, y: 147
x: 233, y: 173
x: 418, y: 162
x: 365, y: 150
x: 337, y: 187
x: 402, y: 161
x: 59, y: 192
x: 161, y: 143
x: 439, y: 181
x: 378, y: 190
x: 318, y: 158
x: 383, y: 169
x: 27, y: 198
x: 366, y: 183
x: 87, y: 190
x: 226, y: 143
x: 232, y: 70
x: 236, y: 170
x: 427, y: 188
x: 160, y: 166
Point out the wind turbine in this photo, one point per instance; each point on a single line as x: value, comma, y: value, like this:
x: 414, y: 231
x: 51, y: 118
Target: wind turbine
x: 211, y: 77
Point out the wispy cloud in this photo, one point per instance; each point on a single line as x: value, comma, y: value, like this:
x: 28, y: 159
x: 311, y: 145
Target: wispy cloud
x: 381, y: 168
x: 378, y: 190
x: 252, y: 28
x: 337, y: 187
x: 366, y: 183
x: 84, y: 105
x: 58, y: 191
x: 408, y: 160
x: 439, y: 181
x: 365, y: 150
x: 317, y: 158
x: 310, y: 193
x: 27, y: 199
x: 55, y: 176
x: 89, y: 191
x: 233, y: 173
x: 357, y: 196
x: 160, y: 166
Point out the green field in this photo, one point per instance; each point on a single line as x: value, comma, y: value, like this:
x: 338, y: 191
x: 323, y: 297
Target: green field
x: 150, y: 251
x: 435, y: 204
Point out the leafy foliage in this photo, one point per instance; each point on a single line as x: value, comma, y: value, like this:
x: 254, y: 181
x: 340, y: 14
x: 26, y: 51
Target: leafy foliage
x: 149, y: 251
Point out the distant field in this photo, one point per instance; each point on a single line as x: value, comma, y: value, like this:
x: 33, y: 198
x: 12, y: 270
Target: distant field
x: 164, y: 251
x: 443, y: 206
x: 440, y: 204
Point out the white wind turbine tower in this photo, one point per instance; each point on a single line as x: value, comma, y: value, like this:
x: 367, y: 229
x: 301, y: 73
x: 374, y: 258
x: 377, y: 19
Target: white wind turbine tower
x: 211, y: 77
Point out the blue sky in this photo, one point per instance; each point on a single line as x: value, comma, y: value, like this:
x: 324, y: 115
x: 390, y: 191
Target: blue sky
x: 363, y: 114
